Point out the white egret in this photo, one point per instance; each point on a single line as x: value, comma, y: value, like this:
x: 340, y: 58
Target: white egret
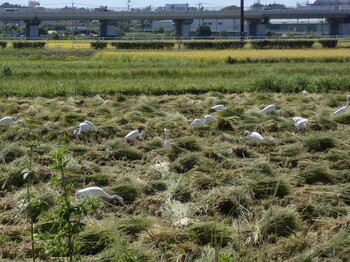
x: 94, y: 192
x: 167, y: 143
x: 208, y: 119
x: 134, y: 134
x: 218, y: 107
x: 10, y: 121
x: 254, y: 135
x: 91, y: 125
x: 300, y: 122
x: 197, y: 123
x: 83, y: 127
x: 344, y: 108
x: 268, y: 109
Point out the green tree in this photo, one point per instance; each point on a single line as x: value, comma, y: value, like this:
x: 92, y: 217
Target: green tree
x: 203, y: 30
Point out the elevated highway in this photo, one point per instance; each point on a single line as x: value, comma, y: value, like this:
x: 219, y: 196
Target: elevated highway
x: 337, y: 16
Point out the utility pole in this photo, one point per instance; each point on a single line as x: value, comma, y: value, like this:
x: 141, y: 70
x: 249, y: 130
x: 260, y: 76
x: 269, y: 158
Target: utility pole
x: 242, y: 20
x: 128, y: 5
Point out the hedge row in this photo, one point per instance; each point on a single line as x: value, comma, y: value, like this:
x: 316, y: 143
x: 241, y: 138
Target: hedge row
x: 213, y: 44
x: 143, y: 45
x: 328, y: 43
x: 98, y: 45
x: 21, y: 45
x: 282, y: 44
x: 3, y: 44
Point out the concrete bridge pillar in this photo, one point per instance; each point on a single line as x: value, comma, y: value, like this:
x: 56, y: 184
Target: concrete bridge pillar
x: 339, y: 26
x: 107, y: 29
x: 32, y: 29
x: 257, y: 27
x: 182, y: 27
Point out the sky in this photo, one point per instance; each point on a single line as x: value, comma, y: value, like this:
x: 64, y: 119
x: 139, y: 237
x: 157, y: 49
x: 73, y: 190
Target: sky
x: 112, y: 4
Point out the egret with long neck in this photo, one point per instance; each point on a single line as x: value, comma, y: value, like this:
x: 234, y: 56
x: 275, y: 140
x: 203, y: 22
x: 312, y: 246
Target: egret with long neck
x: 344, y: 108
x: 94, y: 192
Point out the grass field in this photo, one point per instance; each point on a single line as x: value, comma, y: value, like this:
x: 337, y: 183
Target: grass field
x: 215, y: 195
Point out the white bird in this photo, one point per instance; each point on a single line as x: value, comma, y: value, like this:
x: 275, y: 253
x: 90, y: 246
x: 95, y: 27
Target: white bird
x: 91, y: 125
x: 94, y: 192
x: 218, y: 107
x: 83, y: 127
x: 300, y: 122
x: 9, y: 120
x: 344, y: 108
x: 254, y: 135
x: 134, y: 134
x: 167, y: 143
x: 197, y: 123
x: 209, y: 119
x: 268, y: 109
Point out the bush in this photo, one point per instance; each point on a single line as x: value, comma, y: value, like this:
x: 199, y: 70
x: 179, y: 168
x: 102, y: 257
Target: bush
x: 328, y: 43
x: 22, y: 45
x: 282, y: 44
x: 213, y: 44
x: 143, y: 45
x: 3, y: 44
x: 98, y: 45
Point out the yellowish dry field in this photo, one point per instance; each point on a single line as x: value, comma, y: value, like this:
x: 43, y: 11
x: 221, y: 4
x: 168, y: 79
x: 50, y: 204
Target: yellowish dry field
x: 219, y: 55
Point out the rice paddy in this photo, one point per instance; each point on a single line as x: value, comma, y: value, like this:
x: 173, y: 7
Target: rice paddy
x: 214, y: 195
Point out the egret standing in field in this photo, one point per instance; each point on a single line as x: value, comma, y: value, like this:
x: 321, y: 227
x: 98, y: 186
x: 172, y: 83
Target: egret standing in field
x: 269, y: 108
x: 167, y: 143
x: 95, y: 192
x: 254, y: 136
x: 8, y: 120
x: 344, y: 108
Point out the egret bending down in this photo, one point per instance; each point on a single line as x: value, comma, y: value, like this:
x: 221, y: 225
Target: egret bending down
x: 218, y: 107
x: 300, y: 122
x: 344, y: 108
x: 254, y: 135
x: 83, y: 127
x: 134, y: 134
x: 197, y: 123
x: 9, y: 120
x: 94, y: 192
x: 268, y: 109
x: 209, y: 119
